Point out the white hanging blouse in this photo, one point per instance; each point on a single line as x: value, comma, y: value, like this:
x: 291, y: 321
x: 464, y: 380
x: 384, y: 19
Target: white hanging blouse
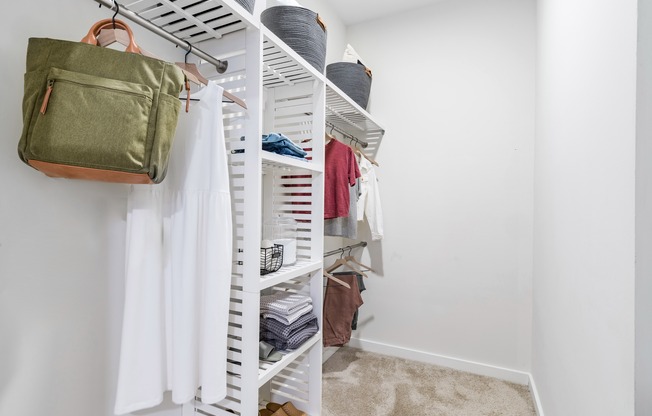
x: 369, y: 200
x: 178, y: 270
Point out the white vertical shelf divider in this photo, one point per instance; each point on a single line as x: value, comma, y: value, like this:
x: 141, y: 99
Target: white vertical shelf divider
x: 252, y: 227
x: 317, y: 249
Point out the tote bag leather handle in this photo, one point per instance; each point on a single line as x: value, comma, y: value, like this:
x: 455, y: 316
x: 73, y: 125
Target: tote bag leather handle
x: 91, y: 36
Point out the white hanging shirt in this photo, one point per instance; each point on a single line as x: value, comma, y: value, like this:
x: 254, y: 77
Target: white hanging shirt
x: 369, y: 199
x: 178, y: 270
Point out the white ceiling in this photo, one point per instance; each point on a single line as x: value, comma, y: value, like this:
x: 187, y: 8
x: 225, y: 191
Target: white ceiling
x: 356, y: 11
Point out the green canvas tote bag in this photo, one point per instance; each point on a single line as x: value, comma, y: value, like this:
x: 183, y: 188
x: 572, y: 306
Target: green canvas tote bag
x: 96, y: 113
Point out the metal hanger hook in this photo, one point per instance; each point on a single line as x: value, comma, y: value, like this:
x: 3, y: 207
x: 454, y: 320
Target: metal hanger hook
x: 350, y: 249
x: 185, y: 58
x: 117, y: 9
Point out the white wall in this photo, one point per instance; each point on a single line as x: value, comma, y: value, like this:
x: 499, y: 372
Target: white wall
x: 644, y: 213
x: 583, y: 328
x: 61, y: 247
x: 454, y: 87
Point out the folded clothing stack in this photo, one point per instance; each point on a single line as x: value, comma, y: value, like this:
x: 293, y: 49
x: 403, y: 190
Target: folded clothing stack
x: 285, y: 307
x: 287, y: 320
x: 288, y: 337
x: 278, y: 143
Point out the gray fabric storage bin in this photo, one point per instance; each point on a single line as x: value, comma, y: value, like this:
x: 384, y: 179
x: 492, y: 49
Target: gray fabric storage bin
x: 352, y: 79
x: 247, y: 4
x: 301, y: 29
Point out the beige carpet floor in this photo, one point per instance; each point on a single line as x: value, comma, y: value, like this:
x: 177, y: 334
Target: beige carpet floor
x: 358, y: 383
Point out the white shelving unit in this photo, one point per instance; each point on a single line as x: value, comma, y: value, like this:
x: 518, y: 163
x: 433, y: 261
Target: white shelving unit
x: 284, y: 94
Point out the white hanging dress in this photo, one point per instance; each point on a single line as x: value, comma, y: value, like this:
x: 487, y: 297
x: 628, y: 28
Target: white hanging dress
x: 178, y: 269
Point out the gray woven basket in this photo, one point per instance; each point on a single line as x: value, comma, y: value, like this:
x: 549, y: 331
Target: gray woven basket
x: 352, y: 79
x: 301, y: 30
x: 247, y: 4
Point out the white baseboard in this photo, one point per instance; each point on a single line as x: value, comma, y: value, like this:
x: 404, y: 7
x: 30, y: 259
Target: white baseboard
x: 328, y: 353
x: 535, y: 397
x: 513, y: 376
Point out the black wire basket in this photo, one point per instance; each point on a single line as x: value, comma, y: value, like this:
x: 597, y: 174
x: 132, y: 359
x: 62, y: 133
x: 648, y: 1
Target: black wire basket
x: 271, y: 259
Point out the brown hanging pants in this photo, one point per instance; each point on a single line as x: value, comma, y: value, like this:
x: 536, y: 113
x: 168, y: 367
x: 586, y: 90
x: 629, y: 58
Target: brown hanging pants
x: 340, y: 304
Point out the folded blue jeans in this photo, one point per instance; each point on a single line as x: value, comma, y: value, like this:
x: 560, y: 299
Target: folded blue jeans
x: 278, y: 143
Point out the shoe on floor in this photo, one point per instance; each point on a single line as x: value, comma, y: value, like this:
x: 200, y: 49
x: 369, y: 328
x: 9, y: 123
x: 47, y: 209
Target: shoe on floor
x: 287, y: 407
x: 267, y: 412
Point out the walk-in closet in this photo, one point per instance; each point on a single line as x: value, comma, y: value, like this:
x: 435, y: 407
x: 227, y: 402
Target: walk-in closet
x: 326, y: 208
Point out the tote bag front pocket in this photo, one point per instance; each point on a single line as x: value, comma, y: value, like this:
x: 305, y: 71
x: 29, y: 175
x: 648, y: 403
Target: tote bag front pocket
x: 92, y: 122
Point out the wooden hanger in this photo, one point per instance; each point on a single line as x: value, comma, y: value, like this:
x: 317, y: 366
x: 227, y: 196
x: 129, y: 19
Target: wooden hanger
x: 109, y: 35
x: 112, y: 31
x: 361, y: 154
x: 335, y: 279
x: 352, y: 259
x: 356, y: 150
x: 194, y: 76
x: 329, y: 136
x: 105, y: 32
x: 192, y: 72
x: 343, y: 262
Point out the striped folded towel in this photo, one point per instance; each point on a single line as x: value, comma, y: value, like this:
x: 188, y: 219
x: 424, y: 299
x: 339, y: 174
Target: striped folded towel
x: 288, y: 319
x: 284, y: 303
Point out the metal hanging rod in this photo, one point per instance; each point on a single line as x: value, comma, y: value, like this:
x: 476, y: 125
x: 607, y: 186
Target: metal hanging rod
x: 347, y: 248
x: 362, y: 143
x: 123, y: 11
